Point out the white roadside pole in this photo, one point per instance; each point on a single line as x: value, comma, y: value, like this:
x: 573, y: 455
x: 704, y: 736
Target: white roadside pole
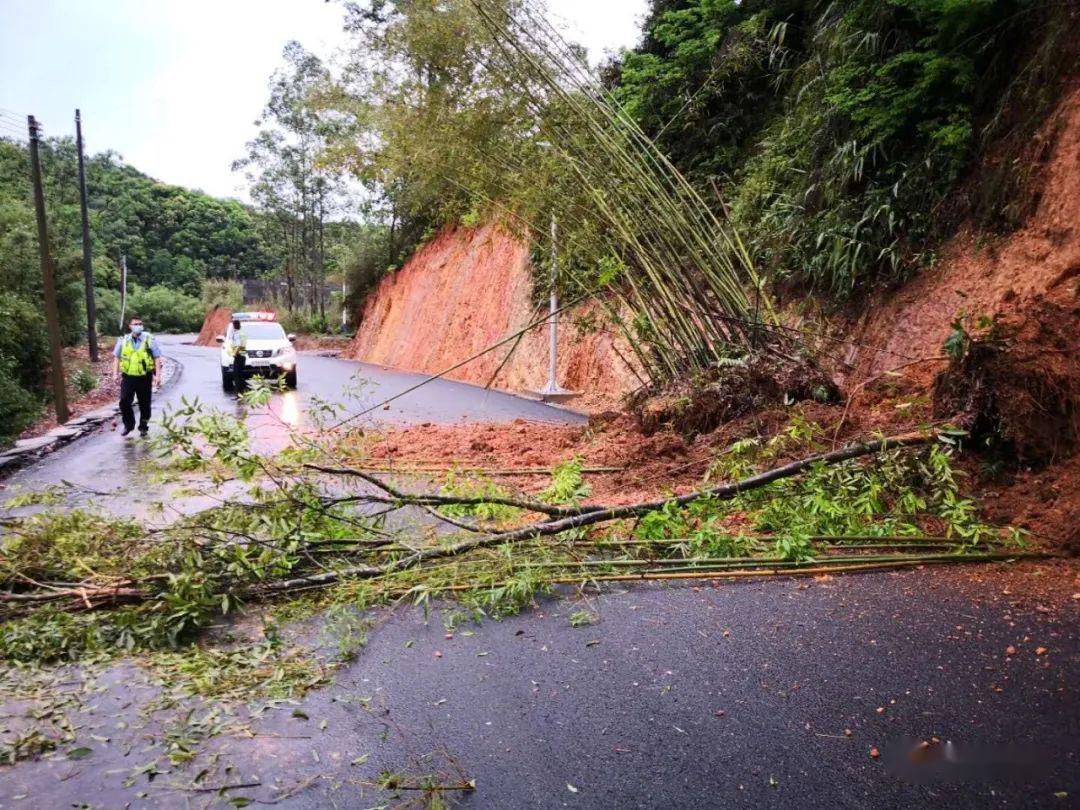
x: 553, y: 390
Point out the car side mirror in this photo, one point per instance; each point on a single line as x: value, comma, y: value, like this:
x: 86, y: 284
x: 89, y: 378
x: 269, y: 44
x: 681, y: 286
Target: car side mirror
x: 291, y: 336
x: 220, y: 338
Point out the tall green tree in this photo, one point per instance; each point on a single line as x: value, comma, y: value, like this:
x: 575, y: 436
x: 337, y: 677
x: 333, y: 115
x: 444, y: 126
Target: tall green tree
x: 290, y: 180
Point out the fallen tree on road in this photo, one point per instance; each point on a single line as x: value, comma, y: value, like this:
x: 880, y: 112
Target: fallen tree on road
x: 303, y: 531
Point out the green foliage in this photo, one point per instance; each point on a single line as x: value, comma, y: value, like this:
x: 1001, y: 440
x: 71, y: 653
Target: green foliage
x: 107, y: 308
x: 835, y: 129
x: 23, y: 353
x: 164, y: 309
x: 898, y: 493
x: 582, y: 618
x: 469, y: 485
x: 19, y: 408
x: 698, y: 526
x: 84, y: 379
x: 568, y: 485
x: 22, y: 338
x: 509, y: 597
x: 964, y: 331
x: 301, y: 322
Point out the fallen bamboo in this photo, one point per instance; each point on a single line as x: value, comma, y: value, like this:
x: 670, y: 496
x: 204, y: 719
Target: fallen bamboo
x: 832, y: 539
x: 814, y: 570
x: 411, y: 499
x: 594, y: 515
x: 705, y: 563
x: 493, y: 471
x: 704, y: 575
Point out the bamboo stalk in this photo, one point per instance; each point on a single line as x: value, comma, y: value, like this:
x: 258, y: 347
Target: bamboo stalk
x: 813, y: 570
x: 706, y: 563
x: 496, y: 471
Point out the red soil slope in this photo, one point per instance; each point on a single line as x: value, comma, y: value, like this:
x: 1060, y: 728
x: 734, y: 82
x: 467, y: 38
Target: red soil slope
x: 1031, y: 277
x: 215, y: 323
x: 466, y: 290
x: 980, y: 277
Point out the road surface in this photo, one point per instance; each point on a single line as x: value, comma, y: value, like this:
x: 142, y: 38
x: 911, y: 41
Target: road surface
x: 752, y: 695
x: 767, y: 694
x: 105, y: 462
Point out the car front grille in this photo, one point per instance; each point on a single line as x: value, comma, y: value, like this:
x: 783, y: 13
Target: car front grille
x: 261, y: 353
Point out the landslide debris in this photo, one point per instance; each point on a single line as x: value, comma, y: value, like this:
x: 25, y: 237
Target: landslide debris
x: 1015, y: 386
x: 726, y: 392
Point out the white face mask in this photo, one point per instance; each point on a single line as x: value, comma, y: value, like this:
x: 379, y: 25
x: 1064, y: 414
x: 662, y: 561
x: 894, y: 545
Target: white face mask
x: 137, y: 329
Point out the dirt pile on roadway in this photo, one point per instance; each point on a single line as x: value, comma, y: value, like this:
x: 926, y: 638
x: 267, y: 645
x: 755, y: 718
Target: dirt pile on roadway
x: 215, y: 323
x: 1018, y: 385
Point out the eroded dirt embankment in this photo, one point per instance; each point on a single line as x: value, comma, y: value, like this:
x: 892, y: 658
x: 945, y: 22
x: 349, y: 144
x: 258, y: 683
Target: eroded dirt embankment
x: 1025, y: 278
x: 984, y: 276
x: 468, y: 289
x: 215, y: 323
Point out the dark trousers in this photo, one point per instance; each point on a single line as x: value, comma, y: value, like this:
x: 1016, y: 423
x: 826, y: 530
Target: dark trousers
x: 238, y: 372
x: 131, y: 388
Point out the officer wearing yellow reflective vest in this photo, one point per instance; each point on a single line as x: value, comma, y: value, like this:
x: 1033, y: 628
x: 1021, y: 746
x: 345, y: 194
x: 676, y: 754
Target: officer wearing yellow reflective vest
x: 138, y: 364
x: 236, y: 347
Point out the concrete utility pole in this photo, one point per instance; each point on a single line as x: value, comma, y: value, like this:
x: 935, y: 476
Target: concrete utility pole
x: 52, y: 316
x: 123, y: 290
x: 88, y: 266
x: 553, y: 390
x: 344, y: 308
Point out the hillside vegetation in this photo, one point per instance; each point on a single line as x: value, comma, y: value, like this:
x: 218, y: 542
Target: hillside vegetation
x: 835, y: 130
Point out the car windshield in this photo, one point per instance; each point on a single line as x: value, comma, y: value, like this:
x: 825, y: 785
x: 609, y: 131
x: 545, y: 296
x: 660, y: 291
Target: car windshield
x: 263, y: 331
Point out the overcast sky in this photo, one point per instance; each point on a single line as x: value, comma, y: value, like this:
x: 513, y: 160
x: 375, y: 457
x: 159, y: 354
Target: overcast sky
x: 175, y: 85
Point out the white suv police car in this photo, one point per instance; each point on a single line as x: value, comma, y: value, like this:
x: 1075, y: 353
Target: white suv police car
x: 270, y: 351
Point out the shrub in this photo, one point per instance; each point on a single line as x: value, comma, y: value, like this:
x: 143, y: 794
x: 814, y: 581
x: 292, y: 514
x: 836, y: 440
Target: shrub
x: 22, y: 341
x: 18, y: 406
x: 107, y: 310
x: 166, y: 310
x: 84, y: 379
x: 303, y: 323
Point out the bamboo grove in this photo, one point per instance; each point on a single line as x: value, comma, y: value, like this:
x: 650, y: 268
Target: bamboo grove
x: 686, y: 274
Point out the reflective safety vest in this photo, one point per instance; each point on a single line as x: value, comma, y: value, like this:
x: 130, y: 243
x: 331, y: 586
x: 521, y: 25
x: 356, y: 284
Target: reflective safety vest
x: 136, y: 361
x: 237, y: 346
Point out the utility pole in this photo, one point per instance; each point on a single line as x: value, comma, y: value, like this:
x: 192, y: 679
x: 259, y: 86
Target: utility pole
x: 344, y: 307
x: 52, y: 317
x: 88, y: 266
x: 553, y: 390
x: 123, y: 289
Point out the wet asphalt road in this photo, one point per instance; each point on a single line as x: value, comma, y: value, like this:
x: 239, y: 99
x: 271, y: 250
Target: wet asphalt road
x: 738, y: 696
x: 105, y: 462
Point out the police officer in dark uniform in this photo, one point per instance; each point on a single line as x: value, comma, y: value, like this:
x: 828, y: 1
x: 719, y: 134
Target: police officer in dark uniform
x: 138, y: 365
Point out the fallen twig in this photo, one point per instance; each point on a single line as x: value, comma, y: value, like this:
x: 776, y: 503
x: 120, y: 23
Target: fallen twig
x: 413, y: 499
